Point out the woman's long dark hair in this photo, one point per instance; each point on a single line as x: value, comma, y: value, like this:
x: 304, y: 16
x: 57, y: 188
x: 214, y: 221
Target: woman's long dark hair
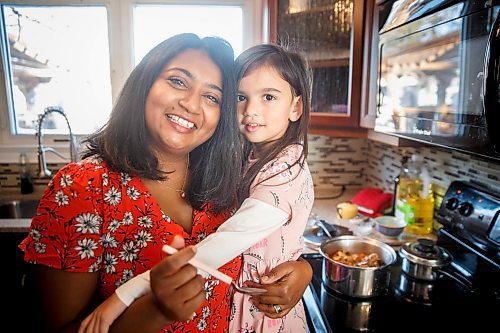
x: 293, y: 68
x: 124, y: 142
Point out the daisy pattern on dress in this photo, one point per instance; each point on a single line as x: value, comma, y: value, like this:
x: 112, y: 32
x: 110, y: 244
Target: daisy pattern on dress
x: 66, y: 181
x: 143, y: 237
x: 61, y: 198
x: 113, y: 196
x: 108, y: 241
x: 94, y: 267
x: 35, y: 234
x: 114, y: 225
x: 88, y: 222
x: 132, y: 193
x: 201, y: 325
x: 125, y: 178
x: 205, y: 312
x: 86, y: 248
x: 129, y: 252
x: 128, y: 218
x: 127, y: 274
x: 40, y: 247
x: 105, y: 179
x: 145, y: 222
x: 110, y: 262
x: 209, y: 287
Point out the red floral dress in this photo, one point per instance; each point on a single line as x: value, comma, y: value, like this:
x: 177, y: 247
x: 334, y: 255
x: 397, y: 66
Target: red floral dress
x: 94, y: 219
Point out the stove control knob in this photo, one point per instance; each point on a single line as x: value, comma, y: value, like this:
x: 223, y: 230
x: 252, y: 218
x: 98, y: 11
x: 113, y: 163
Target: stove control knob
x: 466, y: 209
x: 452, y: 203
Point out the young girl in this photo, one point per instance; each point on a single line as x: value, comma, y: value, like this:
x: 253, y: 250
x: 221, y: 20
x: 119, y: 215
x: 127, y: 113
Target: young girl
x: 276, y: 191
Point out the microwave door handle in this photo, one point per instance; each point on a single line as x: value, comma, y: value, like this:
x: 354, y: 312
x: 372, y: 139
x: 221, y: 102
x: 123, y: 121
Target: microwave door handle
x: 491, y: 84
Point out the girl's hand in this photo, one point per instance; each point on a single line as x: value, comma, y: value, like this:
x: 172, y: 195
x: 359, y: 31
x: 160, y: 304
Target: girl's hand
x: 285, y: 286
x: 177, y: 289
x: 103, y: 316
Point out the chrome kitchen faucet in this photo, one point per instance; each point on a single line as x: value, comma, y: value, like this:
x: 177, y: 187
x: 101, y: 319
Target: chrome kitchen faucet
x: 43, y: 171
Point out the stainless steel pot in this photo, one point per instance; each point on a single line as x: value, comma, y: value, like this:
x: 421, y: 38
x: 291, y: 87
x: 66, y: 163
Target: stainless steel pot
x: 424, y: 260
x: 356, y: 281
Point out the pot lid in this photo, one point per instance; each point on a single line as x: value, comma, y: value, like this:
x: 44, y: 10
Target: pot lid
x: 320, y: 231
x: 426, y: 252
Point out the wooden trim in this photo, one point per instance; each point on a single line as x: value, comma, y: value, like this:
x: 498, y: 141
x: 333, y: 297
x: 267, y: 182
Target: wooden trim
x: 356, y: 62
x: 273, y: 20
x: 340, y: 132
x: 370, y: 67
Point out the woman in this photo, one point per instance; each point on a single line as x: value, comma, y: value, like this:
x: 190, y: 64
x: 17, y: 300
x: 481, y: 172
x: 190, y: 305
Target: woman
x: 165, y: 164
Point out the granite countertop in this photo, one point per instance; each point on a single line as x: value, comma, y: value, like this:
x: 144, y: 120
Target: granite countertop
x: 15, y: 225
x: 325, y: 209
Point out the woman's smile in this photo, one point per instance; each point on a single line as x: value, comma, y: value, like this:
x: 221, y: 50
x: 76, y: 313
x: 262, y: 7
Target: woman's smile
x: 184, y: 123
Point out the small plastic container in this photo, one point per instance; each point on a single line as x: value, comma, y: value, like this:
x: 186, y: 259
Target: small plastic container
x: 361, y: 225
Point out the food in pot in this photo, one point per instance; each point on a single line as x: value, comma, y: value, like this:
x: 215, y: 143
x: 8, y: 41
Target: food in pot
x: 361, y: 259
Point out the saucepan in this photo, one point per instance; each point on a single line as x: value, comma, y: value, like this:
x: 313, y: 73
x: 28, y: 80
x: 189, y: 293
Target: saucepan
x: 357, y: 279
x: 424, y: 260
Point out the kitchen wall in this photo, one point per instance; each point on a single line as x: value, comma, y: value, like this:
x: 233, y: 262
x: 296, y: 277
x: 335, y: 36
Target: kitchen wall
x: 358, y: 163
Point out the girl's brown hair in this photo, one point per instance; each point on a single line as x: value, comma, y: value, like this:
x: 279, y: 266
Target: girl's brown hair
x: 293, y: 68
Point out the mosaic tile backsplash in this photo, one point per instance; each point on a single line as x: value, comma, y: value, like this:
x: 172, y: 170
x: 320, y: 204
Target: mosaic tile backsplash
x: 360, y: 162
x: 354, y: 163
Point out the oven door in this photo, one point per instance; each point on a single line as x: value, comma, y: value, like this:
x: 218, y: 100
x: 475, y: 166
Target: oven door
x: 432, y: 78
x: 316, y: 321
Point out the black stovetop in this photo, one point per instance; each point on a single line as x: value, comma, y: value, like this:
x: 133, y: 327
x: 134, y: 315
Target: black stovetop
x: 408, y: 306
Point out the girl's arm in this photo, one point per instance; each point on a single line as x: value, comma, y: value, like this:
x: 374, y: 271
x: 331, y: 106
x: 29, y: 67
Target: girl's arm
x: 253, y: 221
x: 105, y: 314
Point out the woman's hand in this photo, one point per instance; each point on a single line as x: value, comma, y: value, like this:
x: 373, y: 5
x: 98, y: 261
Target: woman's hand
x: 285, y: 286
x: 177, y: 288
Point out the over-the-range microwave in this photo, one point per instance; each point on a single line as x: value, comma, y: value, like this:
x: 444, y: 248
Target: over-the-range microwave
x: 439, y: 73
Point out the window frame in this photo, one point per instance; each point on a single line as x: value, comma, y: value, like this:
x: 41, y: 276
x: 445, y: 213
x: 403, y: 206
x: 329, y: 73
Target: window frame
x: 120, y: 32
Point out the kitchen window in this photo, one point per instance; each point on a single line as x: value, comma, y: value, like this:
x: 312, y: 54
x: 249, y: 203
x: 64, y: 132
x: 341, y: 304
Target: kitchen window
x: 77, y: 55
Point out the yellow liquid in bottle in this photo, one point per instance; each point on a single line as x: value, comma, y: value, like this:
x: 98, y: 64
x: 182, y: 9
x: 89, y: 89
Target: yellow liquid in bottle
x: 424, y: 216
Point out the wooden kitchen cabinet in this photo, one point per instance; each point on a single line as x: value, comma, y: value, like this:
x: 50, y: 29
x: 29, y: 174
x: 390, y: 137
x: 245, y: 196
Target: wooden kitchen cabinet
x: 330, y: 33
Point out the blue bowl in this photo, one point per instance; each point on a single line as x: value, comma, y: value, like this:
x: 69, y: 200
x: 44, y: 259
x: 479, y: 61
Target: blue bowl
x: 389, y: 226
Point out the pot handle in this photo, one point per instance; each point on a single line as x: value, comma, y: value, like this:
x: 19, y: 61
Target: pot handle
x: 458, y: 278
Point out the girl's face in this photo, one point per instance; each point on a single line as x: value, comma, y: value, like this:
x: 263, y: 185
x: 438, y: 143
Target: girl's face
x: 266, y: 105
x: 183, y: 105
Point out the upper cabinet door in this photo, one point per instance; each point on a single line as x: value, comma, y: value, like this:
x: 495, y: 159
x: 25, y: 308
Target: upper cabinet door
x: 330, y: 33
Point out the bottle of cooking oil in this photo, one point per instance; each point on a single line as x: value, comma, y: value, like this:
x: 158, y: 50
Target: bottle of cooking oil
x: 414, y: 197
x: 424, y: 209
x: 408, y: 190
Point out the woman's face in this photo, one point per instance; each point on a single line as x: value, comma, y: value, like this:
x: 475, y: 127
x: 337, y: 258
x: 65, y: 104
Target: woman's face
x: 183, y: 104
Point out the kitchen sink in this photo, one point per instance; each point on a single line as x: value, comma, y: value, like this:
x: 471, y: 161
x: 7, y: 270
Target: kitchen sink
x: 18, y: 209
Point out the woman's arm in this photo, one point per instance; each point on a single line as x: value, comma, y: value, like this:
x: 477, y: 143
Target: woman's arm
x: 62, y: 299
x: 59, y: 298
x: 285, y: 286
